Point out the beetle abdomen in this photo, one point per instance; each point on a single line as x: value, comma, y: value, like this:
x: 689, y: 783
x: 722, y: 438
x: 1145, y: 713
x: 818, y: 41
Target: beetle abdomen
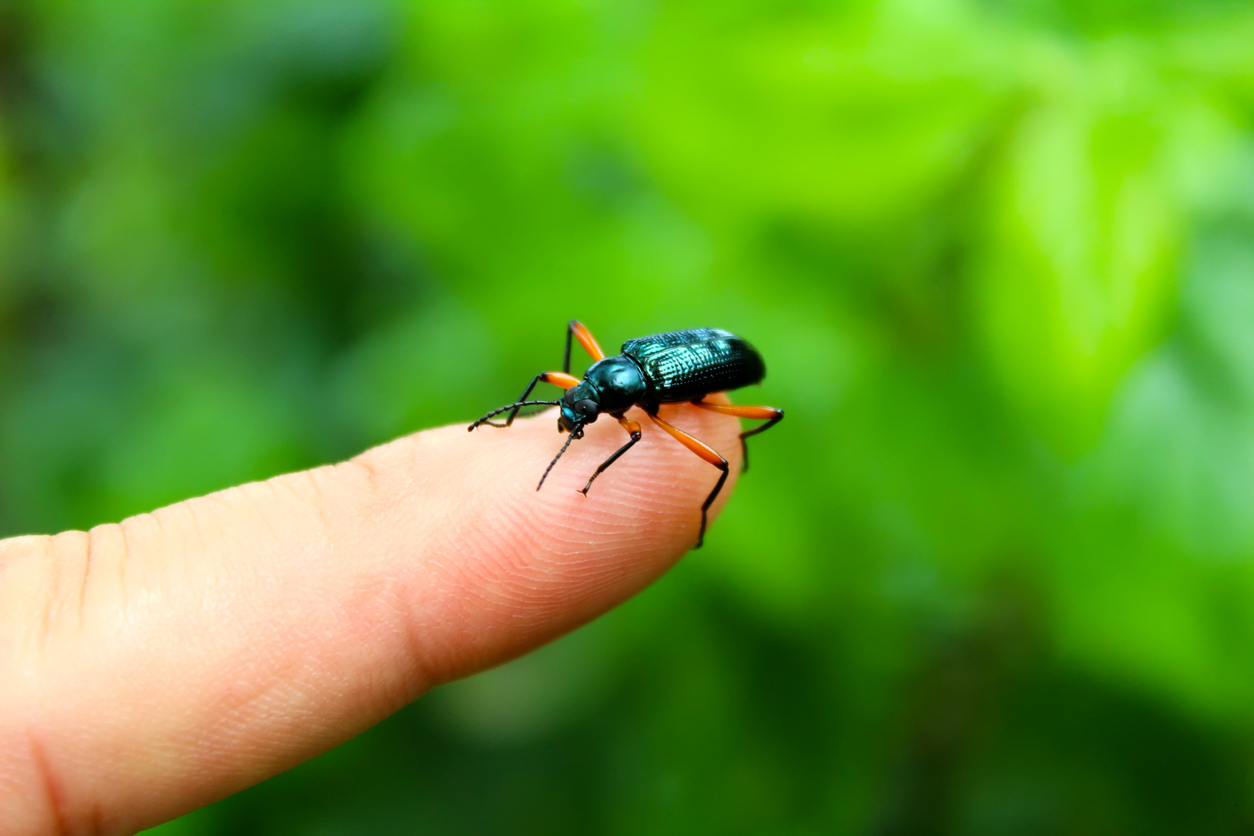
x: 685, y: 365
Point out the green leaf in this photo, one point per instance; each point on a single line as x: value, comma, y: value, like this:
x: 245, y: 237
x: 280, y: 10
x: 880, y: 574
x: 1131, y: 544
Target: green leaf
x: 1076, y: 266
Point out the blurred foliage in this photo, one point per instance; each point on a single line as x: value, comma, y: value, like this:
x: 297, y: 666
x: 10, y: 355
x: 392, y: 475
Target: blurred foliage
x: 993, y: 575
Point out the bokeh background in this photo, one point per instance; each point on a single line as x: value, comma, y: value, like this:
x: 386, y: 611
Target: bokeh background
x: 994, y: 574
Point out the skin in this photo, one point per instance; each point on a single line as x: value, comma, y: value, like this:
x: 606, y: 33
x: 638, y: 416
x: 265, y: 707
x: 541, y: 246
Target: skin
x: 153, y: 666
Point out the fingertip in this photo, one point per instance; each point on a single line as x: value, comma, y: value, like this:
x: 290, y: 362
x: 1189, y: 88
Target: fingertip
x: 519, y: 566
x: 269, y: 622
x: 640, y: 516
x: 657, y: 480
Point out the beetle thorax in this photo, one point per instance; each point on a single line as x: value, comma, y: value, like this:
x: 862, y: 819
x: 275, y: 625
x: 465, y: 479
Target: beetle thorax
x: 617, y: 381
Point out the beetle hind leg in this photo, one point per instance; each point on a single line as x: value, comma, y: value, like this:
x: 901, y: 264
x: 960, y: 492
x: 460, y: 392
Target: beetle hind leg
x: 770, y: 414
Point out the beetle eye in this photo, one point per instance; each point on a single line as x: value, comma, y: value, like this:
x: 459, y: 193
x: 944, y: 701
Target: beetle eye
x: 587, y: 407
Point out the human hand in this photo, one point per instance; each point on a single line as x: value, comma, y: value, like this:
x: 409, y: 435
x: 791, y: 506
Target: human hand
x: 156, y: 665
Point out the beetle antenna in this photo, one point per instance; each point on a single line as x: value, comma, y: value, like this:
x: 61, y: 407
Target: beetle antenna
x: 574, y: 433
x: 518, y: 405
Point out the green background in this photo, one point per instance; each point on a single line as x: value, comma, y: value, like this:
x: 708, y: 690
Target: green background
x: 994, y: 573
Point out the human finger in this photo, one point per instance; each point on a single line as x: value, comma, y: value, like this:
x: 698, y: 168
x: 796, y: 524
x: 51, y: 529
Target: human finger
x: 158, y: 664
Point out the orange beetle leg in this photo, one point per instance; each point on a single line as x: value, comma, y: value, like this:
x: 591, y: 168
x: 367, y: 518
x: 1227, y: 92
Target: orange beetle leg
x: 706, y: 452
x: 561, y: 379
x: 769, y: 414
x: 579, y: 331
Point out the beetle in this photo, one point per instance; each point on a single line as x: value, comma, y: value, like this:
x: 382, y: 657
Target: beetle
x: 675, y: 367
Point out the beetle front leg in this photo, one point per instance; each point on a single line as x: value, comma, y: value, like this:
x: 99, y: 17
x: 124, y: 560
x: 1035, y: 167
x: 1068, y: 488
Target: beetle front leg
x: 556, y: 378
x: 631, y: 427
x: 578, y: 330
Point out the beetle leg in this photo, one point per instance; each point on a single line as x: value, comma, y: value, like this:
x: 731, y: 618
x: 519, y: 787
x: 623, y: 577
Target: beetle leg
x: 706, y: 452
x: 579, y: 331
x: 631, y: 427
x: 770, y: 414
x: 556, y: 378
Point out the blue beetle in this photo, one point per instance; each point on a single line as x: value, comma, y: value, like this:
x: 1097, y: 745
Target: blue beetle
x: 675, y: 367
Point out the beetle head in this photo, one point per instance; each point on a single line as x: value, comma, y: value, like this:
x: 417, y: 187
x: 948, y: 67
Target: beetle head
x: 578, y: 407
